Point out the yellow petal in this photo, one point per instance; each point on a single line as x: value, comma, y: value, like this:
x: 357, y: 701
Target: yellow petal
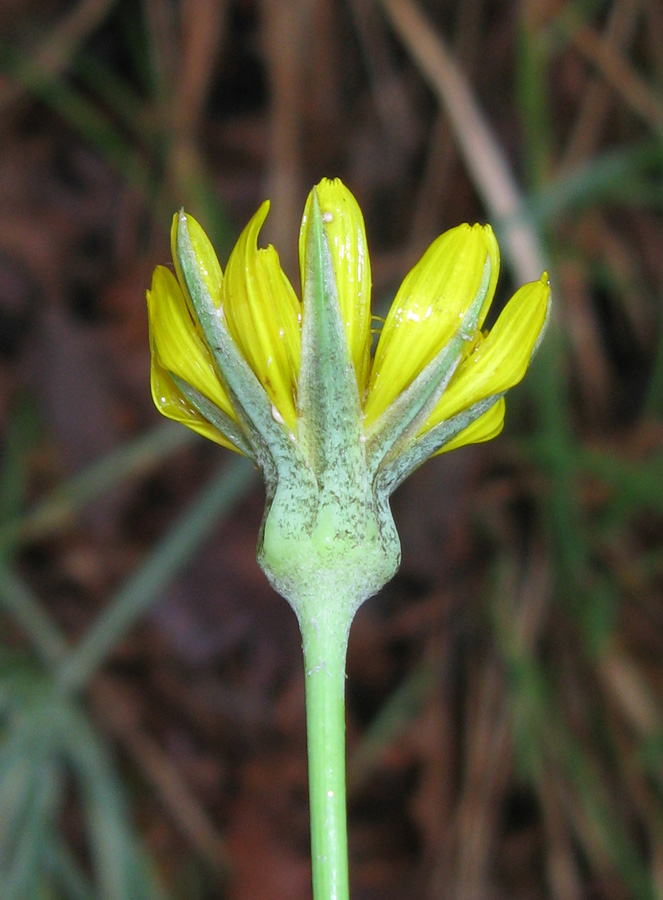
x: 177, y: 342
x: 500, y: 360
x: 172, y: 403
x: 346, y: 235
x: 429, y: 308
x: 485, y: 428
x: 206, y: 257
x: 263, y: 316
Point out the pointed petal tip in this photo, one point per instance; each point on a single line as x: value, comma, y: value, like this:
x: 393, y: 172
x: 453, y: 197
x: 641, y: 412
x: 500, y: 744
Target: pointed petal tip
x: 334, y: 210
x: 249, y: 236
x: 263, y: 315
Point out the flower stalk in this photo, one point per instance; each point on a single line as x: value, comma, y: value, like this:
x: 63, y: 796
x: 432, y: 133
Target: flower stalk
x: 293, y: 385
x: 324, y: 644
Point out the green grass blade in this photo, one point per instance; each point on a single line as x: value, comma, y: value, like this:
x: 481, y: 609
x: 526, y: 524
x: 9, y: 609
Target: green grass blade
x: 24, y: 607
x: 131, y: 459
x: 145, y: 585
x: 23, y: 873
x: 64, y: 871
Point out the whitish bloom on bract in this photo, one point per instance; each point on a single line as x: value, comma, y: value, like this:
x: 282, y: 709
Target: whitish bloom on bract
x: 292, y: 384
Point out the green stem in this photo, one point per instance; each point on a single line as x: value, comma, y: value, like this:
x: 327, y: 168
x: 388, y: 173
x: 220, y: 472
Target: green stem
x: 325, y: 644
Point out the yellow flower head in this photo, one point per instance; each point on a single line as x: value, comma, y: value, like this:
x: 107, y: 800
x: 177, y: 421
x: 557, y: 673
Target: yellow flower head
x: 433, y: 369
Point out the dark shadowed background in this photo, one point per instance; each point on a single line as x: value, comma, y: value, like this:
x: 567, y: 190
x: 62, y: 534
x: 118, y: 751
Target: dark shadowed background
x: 505, y: 693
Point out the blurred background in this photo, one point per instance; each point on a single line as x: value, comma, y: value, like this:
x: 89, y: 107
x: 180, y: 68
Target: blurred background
x: 505, y: 694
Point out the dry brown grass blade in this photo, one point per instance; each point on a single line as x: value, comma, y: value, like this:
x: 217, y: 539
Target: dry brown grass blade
x: 285, y: 29
x: 53, y: 55
x: 621, y: 76
x: 203, y: 24
x: 203, y: 27
x: 183, y: 47
x: 390, y: 99
x: 483, y: 155
x: 653, y: 27
x: 584, y: 828
x: 631, y: 693
x: 489, y: 764
x: 596, y: 102
x: 529, y: 613
x: 190, y: 817
x: 441, y: 153
x: 562, y: 871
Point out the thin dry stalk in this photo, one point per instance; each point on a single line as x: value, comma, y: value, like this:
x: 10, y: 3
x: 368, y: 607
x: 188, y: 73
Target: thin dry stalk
x: 285, y: 29
x: 596, y: 102
x: 618, y: 73
x: 488, y: 771
x: 441, y: 151
x: 203, y: 23
x: 54, y: 54
x: 482, y: 153
x: 389, y: 96
x: 562, y: 873
x: 174, y: 793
